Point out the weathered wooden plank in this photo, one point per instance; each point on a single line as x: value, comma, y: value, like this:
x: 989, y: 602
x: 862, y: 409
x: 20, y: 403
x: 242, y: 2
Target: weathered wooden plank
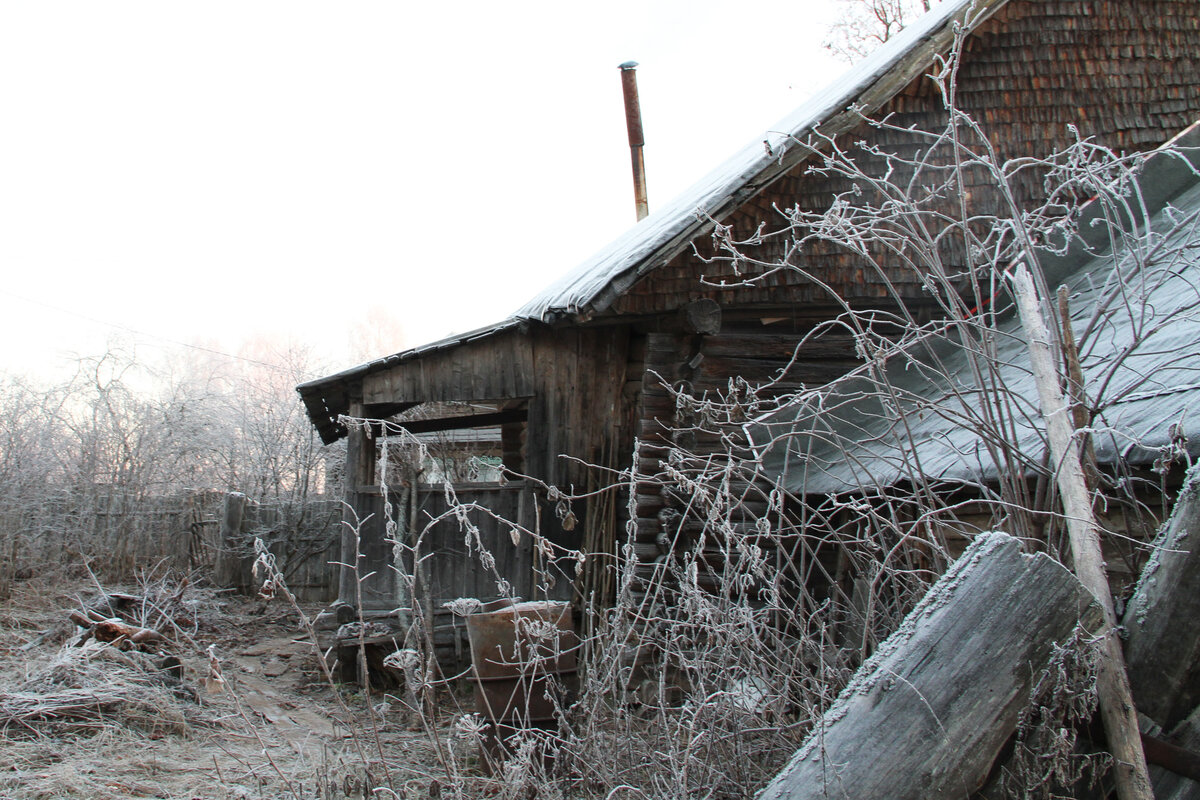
x: 1172, y: 785
x: 1115, y: 697
x: 465, y: 421
x: 927, y: 714
x: 454, y: 565
x: 232, y: 568
x: 466, y: 372
x: 1162, y: 644
x: 778, y: 347
x: 375, y: 576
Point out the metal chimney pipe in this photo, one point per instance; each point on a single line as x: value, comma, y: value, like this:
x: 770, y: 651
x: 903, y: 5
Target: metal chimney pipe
x: 633, y: 122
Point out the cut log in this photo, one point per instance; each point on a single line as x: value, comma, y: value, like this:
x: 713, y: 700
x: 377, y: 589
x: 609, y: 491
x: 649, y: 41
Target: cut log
x: 1162, y: 645
x: 929, y: 712
x: 700, y: 316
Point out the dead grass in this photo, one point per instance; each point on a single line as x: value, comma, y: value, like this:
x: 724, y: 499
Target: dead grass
x: 94, y: 687
x: 94, y: 721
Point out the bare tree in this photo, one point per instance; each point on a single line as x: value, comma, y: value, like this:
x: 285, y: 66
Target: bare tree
x: 863, y: 25
x: 88, y: 467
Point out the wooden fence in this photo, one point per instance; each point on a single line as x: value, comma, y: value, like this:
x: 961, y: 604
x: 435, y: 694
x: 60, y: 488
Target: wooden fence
x: 123, y: 535
x: 305, y: 539
x: 211, y: 534
x: 118, y: 534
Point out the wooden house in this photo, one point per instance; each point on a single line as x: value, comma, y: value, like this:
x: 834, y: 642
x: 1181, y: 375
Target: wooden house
x: 580, y: 373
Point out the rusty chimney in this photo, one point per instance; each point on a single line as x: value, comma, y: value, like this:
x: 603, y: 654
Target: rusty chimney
x: 633, y: 121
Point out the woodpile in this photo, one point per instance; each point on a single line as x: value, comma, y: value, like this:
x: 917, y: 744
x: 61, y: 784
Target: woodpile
x: 120, y: 668
x: 934, y: 712
x: 115, y: 631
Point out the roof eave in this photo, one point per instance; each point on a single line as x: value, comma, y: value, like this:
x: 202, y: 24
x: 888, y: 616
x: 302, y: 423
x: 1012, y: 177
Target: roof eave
x: 781, y: 151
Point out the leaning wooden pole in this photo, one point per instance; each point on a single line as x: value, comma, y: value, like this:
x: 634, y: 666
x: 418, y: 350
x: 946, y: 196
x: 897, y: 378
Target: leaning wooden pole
x: 1116, y: 700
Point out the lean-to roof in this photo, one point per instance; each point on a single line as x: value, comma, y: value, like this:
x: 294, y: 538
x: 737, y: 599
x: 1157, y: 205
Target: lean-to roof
x: 1143, y: 351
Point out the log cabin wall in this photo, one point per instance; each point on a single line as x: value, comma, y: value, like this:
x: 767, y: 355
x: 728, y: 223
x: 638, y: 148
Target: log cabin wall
x: 1122, y: 72
x: 702, y: 365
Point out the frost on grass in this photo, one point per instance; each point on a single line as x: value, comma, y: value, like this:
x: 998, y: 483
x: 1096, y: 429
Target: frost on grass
x: 93, y: 688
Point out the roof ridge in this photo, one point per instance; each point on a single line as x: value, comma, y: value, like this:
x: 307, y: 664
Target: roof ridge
x: 592, y: 286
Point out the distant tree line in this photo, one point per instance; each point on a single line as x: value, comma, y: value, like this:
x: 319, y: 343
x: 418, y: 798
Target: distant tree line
x: 83, y: 456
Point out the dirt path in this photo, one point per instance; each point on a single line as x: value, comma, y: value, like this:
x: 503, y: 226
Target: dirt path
x: 277, y: 730
x: 265, y: 678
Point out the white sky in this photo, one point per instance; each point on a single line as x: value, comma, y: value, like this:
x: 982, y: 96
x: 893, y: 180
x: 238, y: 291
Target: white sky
x: 210, y: 172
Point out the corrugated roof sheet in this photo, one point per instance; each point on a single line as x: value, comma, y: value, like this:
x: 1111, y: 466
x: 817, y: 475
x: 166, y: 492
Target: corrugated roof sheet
x: 1145, y: 351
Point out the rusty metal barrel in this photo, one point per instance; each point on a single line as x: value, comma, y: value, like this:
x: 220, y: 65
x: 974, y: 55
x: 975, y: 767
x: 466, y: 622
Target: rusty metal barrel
x: 523, y: 659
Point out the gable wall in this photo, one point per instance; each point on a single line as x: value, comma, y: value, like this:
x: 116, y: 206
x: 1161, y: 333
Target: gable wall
x: 496, y: 368
x: 1124, y: 72
x: 571, y: 379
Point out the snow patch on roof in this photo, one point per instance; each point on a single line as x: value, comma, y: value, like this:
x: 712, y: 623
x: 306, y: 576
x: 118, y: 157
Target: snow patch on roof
x: 662, y: 231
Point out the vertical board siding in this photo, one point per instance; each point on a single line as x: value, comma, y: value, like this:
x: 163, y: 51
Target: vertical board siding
x: 494, y: 368
x: 453, y: 551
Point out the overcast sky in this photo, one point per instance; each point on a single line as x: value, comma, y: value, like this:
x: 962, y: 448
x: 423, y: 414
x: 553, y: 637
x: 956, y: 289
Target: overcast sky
x: 212, y: 172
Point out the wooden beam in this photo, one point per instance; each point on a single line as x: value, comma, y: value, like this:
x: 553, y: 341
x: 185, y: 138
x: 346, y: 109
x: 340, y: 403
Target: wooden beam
x: 465, y: 421
x: 1179, y: 760
x: 385, y: 410
x: 929, y: 712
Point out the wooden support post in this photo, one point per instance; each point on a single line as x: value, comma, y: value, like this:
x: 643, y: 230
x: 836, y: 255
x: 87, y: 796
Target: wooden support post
x: 359, y: 474
x: 231, y: 569
x: 1116, y: 701
x: 352, y: 480
x: 1080, y: 414
x: 929, y: 712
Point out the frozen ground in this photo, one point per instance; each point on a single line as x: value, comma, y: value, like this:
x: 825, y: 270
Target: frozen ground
x: 94, y: 721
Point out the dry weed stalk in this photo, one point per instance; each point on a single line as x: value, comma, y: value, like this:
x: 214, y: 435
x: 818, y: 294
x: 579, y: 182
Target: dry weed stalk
x: 704, y: 673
